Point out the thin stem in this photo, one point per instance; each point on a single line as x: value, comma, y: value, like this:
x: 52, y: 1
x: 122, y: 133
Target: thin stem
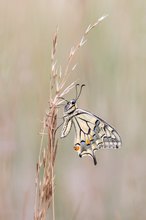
x: 53, y: 203
x: 36, y: 206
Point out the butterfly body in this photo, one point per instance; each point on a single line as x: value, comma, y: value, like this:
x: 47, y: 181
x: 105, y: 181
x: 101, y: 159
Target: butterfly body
x: 91, y: 132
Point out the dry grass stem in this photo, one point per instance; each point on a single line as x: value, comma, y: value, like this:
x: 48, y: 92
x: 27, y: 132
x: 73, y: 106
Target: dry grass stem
x: 44, y: 194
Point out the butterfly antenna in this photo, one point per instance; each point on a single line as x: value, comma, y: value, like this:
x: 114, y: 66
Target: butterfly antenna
x: 77, y: 90
x: 80, y: 91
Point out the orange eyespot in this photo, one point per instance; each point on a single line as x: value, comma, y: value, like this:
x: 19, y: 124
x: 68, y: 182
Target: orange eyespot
x: 76, y: 148
x: 87, y: 141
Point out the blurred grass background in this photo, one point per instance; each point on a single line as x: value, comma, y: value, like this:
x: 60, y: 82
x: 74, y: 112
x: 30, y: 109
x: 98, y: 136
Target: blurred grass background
x: 112, y: 65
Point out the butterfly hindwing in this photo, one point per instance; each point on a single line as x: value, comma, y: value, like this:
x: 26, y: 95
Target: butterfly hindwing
x: 93, y: 133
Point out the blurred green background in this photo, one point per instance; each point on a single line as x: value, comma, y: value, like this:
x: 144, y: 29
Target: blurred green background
x: 112, y: 65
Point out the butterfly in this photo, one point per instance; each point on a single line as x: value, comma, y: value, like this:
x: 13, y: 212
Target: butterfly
x: 91, y: 132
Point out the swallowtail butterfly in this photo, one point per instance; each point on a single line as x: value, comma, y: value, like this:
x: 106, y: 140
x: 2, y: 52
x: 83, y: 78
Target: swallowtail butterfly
x: 91, y: 132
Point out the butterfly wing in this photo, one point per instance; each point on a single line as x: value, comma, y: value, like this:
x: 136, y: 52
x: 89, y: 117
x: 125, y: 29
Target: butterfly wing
x: 93, y: 133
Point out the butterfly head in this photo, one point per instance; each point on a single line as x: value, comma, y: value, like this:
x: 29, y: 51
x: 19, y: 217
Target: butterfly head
x: 70, y: 106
